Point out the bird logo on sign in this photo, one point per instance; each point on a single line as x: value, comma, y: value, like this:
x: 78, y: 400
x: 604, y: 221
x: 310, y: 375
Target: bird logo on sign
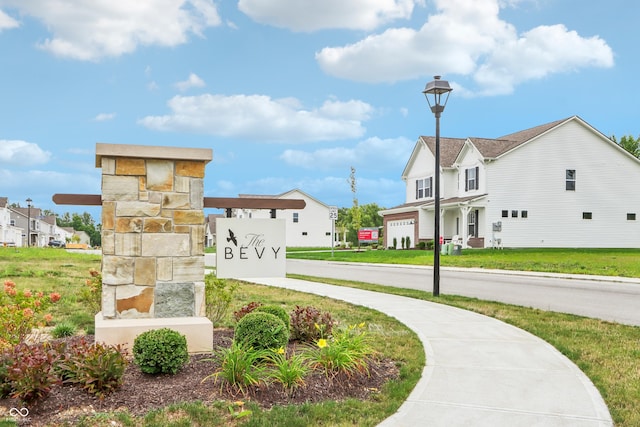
x: 232, y: 238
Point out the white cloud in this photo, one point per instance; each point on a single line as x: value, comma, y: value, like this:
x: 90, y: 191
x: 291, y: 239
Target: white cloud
x: 192, y: 81
x: 103, y: 117
x: 468, y: 38
x: 22, y: 153
x: 7, y: 22
x: 262, y: 118
x: 313, y: 15
x: 90, y: 30
x: 374, y: 153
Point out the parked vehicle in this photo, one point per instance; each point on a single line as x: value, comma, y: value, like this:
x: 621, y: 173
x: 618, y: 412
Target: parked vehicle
x: 57, y: 244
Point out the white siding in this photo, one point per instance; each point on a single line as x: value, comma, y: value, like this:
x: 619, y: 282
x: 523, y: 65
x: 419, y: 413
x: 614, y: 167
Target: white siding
x: 532, y: 178
x: 421, y: 168
x: 313, y: 227
x: 313, y: 220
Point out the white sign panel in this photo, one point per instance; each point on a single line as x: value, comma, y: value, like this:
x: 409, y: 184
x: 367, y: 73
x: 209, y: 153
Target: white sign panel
x: 333, y: 213
x: 248, y: 248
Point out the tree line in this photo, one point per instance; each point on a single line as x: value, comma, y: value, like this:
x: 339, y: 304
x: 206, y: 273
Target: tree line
x: 630, y: 144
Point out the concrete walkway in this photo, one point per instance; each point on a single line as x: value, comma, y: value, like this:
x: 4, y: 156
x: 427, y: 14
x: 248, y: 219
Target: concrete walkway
x: 480, y: 371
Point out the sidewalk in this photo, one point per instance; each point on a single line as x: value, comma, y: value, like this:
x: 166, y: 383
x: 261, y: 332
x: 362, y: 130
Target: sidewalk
x: 479, y: 371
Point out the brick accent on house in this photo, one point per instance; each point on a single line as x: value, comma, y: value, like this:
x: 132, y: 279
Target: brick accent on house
x: 400, y: 216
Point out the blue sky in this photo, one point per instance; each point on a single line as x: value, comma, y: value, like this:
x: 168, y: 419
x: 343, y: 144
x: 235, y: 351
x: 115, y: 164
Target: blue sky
x: 292, y: 93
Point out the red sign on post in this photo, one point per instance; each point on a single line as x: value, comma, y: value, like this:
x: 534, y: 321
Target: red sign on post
x: 368, y: 235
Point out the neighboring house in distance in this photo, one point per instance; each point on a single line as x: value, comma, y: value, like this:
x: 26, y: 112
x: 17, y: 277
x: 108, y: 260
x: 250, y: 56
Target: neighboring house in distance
x: 66, y: 234
x: 83, y: 238
x: 210, y: 229
x: 308, y: 227
x: 562, y: 184
x: 42, y: 228
x: 10, y: 234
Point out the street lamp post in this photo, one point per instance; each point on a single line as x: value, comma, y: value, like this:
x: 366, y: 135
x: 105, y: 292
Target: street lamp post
x: 29, y: 222
x: 436, y: 89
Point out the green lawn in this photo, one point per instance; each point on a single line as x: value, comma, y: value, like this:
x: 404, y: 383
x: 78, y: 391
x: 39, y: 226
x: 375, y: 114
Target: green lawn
x: 608, y: 353
x: 601, y: 262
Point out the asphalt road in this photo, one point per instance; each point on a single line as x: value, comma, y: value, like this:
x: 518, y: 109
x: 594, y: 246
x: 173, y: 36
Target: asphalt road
x: 613, y: 299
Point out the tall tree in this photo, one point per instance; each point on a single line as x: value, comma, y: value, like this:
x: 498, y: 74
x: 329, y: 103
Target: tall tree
x: 356, y: 215
x: 82, y: 222
x: 629, y: 143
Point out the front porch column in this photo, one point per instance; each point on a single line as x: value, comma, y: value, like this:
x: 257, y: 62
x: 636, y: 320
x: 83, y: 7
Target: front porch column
x: 464, y: 211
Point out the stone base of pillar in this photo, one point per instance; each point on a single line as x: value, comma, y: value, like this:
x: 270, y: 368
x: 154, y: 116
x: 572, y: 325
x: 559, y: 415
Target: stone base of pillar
x: 197, y: 330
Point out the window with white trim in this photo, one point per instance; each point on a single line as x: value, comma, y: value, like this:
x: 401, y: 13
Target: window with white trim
x: 295, y: 217
x: 472, y: 226
x: 570, y: 180
x: 424, y: 188
x: 471, y: 179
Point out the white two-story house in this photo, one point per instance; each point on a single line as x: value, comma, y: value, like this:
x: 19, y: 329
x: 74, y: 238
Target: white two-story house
x: 562, y: 184
x: 308, y: 227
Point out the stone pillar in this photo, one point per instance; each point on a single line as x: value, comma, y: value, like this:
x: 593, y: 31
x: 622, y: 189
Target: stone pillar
x: 152, y: 241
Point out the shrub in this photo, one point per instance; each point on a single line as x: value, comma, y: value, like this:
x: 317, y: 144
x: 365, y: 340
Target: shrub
x: 422, y: 245
x: 240, y: 365
x: 309, y: 324
x: 29, y: 373
x: 395, y: 243
x: 237, y: 315
x: 20, y: 312
x: 160, y: 351
x: 218, y: 296
x: 408, y: 242
x: 91, y: 293
x: 261, y: 331
x: 277, y: 311
x: 97, y: 368
x: 64, y: 329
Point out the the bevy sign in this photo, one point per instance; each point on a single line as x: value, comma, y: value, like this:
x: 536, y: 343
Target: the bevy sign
x: 248, y: 248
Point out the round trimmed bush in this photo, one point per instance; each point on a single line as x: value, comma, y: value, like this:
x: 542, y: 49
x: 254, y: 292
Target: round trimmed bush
x: 160, y: 351
x: 261, y: 330
x: 277, y: 311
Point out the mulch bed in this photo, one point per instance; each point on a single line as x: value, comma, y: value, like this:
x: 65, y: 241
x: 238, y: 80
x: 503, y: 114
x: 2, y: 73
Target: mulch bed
x: 141, y: 392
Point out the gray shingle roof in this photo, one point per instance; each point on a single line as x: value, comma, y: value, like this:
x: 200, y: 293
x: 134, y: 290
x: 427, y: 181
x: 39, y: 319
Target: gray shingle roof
x: 489, y: 148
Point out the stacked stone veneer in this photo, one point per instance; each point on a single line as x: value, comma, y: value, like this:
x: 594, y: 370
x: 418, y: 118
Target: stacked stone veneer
x: 152, y: 231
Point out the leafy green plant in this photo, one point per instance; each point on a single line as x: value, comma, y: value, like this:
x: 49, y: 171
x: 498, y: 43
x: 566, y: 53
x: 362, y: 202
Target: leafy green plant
x: 277, y: 311
x: 241, y: 366
x: 261, y: 331
x: 98, y: 368
x: 29, y: 374
x: 160, y: 351
x: 246, y: 309
x: 309, y: 324
x: 63, y: 329
x: 290, y: 371
x: 348, y: 351
x: 218, y: 296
